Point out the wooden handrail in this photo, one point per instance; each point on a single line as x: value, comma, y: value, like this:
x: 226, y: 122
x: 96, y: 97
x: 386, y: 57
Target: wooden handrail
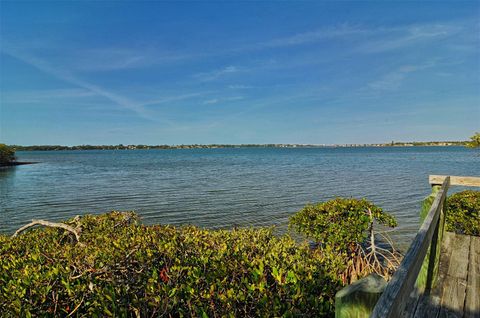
x: 455, y: 180
x: 395, y: 296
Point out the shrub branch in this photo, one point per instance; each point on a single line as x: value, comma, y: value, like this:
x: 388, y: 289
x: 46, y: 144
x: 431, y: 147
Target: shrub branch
x: 49, y: 224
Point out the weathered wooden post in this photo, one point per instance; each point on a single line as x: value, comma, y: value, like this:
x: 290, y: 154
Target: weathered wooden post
x: 358, y: 299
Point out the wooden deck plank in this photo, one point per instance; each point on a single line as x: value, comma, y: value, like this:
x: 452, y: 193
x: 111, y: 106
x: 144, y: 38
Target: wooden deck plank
x: 453, y: 297
x: 459, y: 260
x: 472, y: 301
x: 455, y: 283
x: 429, y: 305
x: 445, y: 256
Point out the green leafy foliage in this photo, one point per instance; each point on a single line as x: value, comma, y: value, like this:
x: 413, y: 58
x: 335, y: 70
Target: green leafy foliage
x: 343, y: 229
x: 124, y: 269
x: 474, y: 141
x: 463, y: 213
x: 339, y: 224
x: 7, y: 154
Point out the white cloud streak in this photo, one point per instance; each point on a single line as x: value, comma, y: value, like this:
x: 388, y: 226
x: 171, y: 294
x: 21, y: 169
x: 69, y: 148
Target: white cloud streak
x: 394, y: 79
x: 115, y: 58
x: 215, y: 74
x: 70, y: 78
x: 314, y: 36
x: 222, y: 100
x: 37, y: 96
x: 400, y: 37
x: 211, y: 101
x: 156, y: 102
x: 239, y: 86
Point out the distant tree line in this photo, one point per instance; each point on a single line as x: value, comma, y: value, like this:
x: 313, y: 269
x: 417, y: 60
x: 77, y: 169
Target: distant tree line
x: 475, y: 140
x: 429, y: 143
x: 127, y: 147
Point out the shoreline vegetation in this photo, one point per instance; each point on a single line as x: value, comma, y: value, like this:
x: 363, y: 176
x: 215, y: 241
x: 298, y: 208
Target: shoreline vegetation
x: 216, y: 146
x: 113, y: 265
x: 8, y: 158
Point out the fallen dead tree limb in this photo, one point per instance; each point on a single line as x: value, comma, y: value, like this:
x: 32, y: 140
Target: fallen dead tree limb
x: 49, y: 224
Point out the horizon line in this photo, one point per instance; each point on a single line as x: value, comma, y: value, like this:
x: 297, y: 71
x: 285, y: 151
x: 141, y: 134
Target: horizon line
x: 241, y: 144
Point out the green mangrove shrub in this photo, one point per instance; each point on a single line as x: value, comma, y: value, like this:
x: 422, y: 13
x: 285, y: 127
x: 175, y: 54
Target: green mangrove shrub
x: 474, y: 141
x: 120, y: 268
x: 463, y: 213
x: 340, y: 224
x: 7, y: 154
x: 344, y: 229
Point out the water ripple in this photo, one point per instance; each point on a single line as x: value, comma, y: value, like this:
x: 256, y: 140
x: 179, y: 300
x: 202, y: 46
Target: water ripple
x: 221, y: 188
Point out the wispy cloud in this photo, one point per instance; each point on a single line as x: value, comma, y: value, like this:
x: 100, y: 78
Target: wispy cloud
x: 37, y: 96
x: 175, y: 98
x: 108, y: 60
x: 239, y: 86
x: 362, y: 39
x: 215, y: 74
x: 211, y: 101
x: 394, y: 79
x: 399, y: 37
x: 339, y: 31
x: 68, y: 77
x: 222, y: 100
x: 117, y: 58
x: 372, y: 39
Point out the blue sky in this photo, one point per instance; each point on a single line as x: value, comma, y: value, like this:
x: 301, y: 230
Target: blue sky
x: 238, y: 72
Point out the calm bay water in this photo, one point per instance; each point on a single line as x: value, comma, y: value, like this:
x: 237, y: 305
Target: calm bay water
x: 221, y: 188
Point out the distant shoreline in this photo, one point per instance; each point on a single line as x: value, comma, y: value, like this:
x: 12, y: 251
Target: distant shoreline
x: 216, y: 146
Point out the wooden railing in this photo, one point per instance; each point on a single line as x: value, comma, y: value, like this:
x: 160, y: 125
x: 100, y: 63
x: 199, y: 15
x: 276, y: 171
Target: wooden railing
x: 455, y: 181
x: 360, y: 298
x: 396, y: 294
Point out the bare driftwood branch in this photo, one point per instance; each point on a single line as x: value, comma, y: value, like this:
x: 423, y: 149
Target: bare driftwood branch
x: 49, y: 224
